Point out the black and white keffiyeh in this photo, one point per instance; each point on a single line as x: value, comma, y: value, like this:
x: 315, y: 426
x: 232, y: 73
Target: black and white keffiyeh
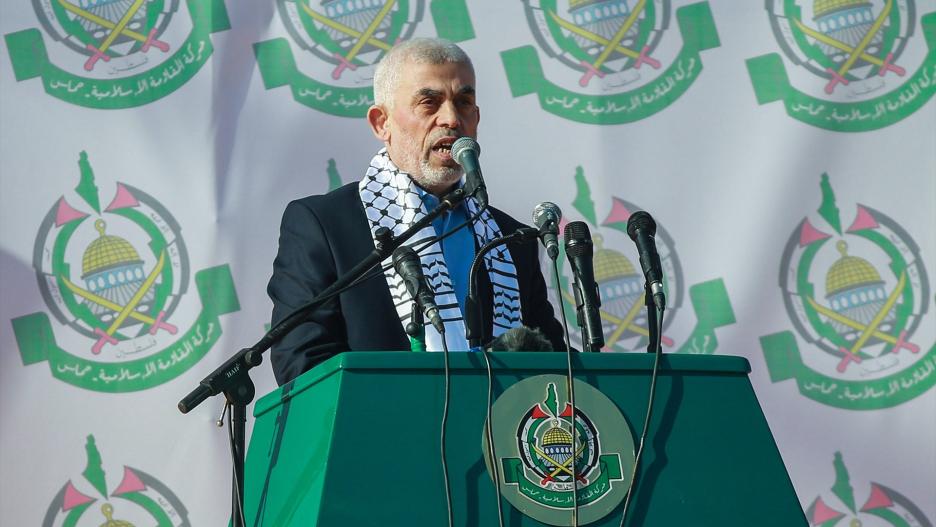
x: 391, y: 200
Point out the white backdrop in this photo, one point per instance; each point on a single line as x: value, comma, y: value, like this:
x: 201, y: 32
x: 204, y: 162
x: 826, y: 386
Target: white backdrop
x: 192, y: 148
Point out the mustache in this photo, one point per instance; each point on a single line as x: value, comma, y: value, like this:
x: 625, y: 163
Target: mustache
x: 435, y: 136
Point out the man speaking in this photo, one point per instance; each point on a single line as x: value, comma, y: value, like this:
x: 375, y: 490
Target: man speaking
x: 424, y: 99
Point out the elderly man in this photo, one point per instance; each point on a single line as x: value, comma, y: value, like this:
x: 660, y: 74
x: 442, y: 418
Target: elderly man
x: 424, y: 99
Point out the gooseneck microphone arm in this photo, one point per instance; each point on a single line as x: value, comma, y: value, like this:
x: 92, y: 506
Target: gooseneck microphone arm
x: 473, y: 318
x: 250, y: 357
x: 232, y: 378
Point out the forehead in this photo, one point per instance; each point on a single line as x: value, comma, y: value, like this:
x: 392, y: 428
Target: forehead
x: 448, y: 78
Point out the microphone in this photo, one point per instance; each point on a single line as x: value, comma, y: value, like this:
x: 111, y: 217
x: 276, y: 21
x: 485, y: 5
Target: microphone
x: 465, y: 152
x: 579, y: 250
x: 546, y: 217
x: 641, y: 228
x: 521, y: 338
x: 407, y: 265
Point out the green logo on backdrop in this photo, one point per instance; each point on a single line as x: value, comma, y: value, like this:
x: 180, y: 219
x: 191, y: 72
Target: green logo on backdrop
x: 858, y: 296
x: 849, y: 65
x: 621, y: 284
x: 609, y: 61
x: 115, y: 279
x: 341, y: 42
x: 882, y: 506
x: 541, y: 462
x: 139, y: 498
x: 114, y: 54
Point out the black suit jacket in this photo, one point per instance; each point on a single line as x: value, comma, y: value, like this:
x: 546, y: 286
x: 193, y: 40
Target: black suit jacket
x: 321, y: 238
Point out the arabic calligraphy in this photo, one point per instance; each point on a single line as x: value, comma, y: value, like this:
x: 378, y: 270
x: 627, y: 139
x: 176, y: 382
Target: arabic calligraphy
x: 177, y: 69
x: 193, y: 345
x: 906, y: 380
x: 884, y: 108
x: 672, y: 83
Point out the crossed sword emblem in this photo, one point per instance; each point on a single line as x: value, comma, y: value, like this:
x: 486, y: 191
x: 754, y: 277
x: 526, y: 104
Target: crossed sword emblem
x: 857, y: 52
x: 623, y: 324
x: 362, y: 38
x: 129, y: 310
x: 560, y: 467
x: 120, y: 28
x: 610, y: 46
x: 871, y: 329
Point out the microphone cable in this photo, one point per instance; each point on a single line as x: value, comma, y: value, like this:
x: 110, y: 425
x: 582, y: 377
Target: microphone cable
x: 489, y: 431
x: 658, y: 351
x: 571, y: 388
x: 445, y: 410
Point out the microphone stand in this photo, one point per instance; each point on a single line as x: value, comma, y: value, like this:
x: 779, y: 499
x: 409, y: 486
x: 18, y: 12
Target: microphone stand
x: 651, y: 319
x: 473, y: 332
x: 232, y: 378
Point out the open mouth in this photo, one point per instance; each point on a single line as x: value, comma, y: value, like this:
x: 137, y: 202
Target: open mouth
x: 443, y: 146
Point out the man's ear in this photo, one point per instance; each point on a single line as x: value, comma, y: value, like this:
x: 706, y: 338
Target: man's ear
x: 378, y: 119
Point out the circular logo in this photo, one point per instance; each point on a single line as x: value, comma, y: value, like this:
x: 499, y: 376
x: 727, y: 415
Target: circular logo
x: 545, y: 453
x: 605, y: 46
x: 114, y: 277
x: 115, y: 38
x: 851, y: 48
x: 859, y: 296
x: 348, y: 38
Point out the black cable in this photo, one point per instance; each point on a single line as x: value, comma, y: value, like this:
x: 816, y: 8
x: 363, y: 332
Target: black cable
x: 445, y: 409
x: 565, y: 324
x: 495, y: 468
x: 643, y: 435
x: 237, y: 491
x: 571, y: 388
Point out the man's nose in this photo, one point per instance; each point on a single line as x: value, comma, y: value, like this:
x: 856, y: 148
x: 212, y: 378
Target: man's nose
x: 448, y: 115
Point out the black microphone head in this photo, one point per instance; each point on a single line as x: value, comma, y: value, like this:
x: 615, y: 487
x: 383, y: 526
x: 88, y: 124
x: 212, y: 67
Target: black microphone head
x: 463, y: 145
x: 578, y: 240
x: 521, y: 338
x: 640, y: 220
x: 544, y: 212
x: 402, y: 254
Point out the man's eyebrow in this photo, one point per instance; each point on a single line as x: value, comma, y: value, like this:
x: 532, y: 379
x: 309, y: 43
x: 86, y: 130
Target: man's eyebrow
x: 427, y: 92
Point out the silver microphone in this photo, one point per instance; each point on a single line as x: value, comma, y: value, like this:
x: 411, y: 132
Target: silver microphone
x: 546, y: 217
x: 465, y: 152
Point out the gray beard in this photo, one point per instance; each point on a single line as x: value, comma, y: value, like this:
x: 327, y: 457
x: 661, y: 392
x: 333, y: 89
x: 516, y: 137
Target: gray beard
x: 438, y: 177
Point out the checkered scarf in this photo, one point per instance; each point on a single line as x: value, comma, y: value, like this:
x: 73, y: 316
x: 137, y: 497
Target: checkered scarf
x: 390, y: 200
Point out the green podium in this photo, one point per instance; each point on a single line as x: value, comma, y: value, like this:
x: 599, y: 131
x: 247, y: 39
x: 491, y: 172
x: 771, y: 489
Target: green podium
x: 356, y: 442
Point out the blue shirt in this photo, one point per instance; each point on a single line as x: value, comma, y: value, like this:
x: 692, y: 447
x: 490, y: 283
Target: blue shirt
x: 459, y: 248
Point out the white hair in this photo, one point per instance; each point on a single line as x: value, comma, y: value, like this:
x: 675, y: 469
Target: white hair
x: 419, y: 51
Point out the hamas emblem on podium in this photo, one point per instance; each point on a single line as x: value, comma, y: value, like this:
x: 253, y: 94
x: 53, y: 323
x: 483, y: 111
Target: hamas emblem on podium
x: 621, y: 285
x: 858, y: 296
x: 115, y: 54
x: 138, y: 499
x: 540, y: 464
x: 609, y: 61
x: 340, y: 43
x: 882, y: 505
x: 847, y: 65
x: 116, y: 279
